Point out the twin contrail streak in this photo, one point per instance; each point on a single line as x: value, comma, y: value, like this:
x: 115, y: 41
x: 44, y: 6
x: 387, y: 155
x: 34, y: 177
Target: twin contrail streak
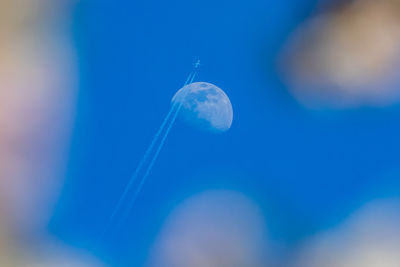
x: 174, y: 110
x: 156, y: 154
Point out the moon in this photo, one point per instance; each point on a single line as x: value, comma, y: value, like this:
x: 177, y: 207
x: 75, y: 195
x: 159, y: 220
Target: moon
x: 204, y: 106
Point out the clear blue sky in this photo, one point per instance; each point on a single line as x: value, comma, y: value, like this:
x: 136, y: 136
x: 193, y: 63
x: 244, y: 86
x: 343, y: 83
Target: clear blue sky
x: 306, y: 169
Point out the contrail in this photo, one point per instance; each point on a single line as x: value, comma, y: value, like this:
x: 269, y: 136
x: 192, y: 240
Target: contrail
x: 147, y: 154
x: 145, y: 157
x: 160, y: 146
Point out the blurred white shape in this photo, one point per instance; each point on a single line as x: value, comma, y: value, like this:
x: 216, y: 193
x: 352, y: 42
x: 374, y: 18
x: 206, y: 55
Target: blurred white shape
x: 369, y: 238
x: 212, y: 229
x: 348, y: 57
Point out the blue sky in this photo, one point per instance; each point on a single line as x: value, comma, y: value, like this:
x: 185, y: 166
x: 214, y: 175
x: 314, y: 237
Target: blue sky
x: 306, y: 169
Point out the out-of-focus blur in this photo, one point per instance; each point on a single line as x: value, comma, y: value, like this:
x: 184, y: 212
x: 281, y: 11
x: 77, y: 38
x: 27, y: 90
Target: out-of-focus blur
x: 369, y: 238
x: 134, y: 56
x: 212, y: 229
x: 37, y: 97
x: 346, y: 56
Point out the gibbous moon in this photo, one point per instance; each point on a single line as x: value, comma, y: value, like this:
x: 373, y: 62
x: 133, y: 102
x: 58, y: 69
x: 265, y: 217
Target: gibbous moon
x: 204, y: 106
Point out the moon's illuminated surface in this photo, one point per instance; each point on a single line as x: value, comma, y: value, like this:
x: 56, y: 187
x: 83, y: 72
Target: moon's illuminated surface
x: 205, y: 106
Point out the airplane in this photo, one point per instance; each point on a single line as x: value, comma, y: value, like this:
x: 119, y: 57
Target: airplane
x: 197, y: 64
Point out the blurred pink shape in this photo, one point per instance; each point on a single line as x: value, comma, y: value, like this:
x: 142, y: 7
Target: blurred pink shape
x: 215, y: 228
x: 38, y: 78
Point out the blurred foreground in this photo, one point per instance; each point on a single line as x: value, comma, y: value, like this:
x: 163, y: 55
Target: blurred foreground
x: 369, y: 238
x: 346, y: 56
x: 37, y: 98
x: 212, y: 229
